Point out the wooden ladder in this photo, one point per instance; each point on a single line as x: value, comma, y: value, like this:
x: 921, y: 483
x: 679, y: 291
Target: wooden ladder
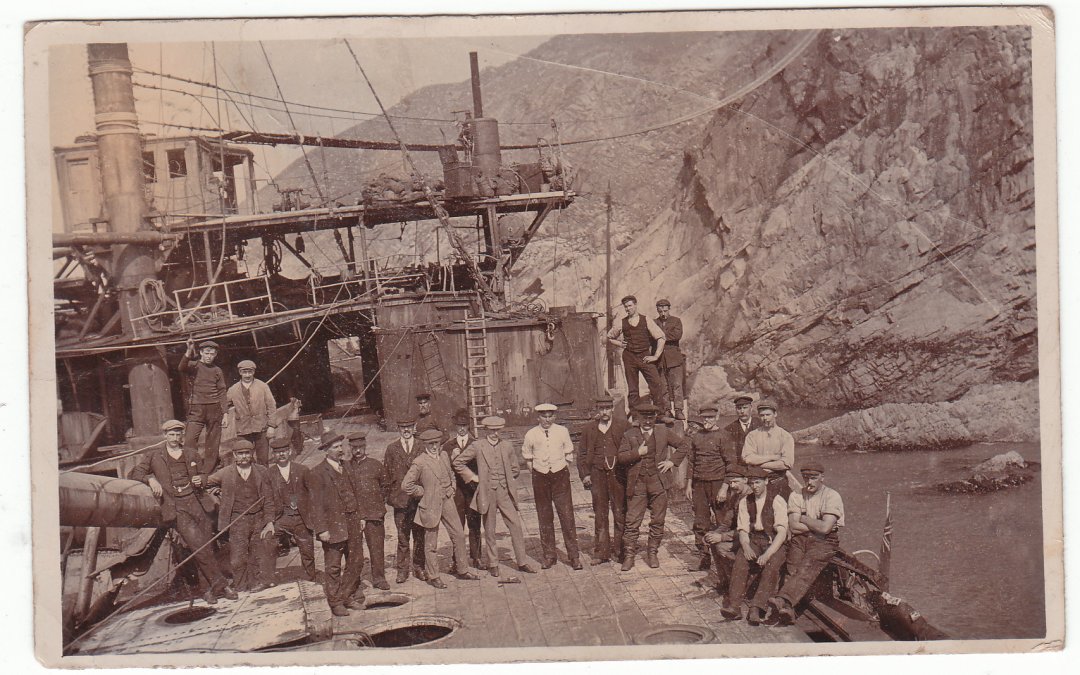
x: 479, y: 375
x: 434, y: 369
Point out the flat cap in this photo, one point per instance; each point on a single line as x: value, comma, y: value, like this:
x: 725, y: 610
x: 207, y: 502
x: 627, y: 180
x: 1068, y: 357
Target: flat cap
x: 646, y: 408
x: 246, y: 364
x: 546, y: 407
x: 423, y: 396
x: 736, y: 472
x: 242, y: 444
x: 755, y: 472
x: 743, y: 398
x: 663, y: 302
x: 358, y: 436
x: 170, y: 425
x: 279, y: 443
x: 329, y: 439
x: 605, y: 402
x: 429, y: 435
x: 493, y: 423
x: 209, y: 343
x: 406, y: 421
x: 767, y: 404
x: 709, y: 411
x: 813, y: 466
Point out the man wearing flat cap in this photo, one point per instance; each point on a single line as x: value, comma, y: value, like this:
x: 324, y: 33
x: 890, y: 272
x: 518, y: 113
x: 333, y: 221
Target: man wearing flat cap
x: 171, y: 469
x: 490, y: 466
x: 771, y: 448
x: 335, y: 503
x: 248, y: 509
x: 397, y: 459
x: 672, y: 360
x: 206, y: 401
x: 735, y: 432
x: 815, y: 516
x: 762, y: 525
x: 289, y: 480
x: 431, y: 480
x: 650, y: 454
x: 463, y: 497
x: 636, y: 334
x: 723, y: 538
x: 600, y: 472
x: 706, y: 488
x: 548, y: 452
x: 372, y: 489
x: 252, y: 405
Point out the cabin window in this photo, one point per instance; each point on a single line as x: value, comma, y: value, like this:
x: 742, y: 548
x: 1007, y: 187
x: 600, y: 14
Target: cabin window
x: 177, y: 163
x: 149, y: 170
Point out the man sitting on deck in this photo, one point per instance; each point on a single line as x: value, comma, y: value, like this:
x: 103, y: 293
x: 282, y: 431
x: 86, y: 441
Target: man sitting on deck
x: 762, y: 527
x: 815, y: 515
x: 771, y: 448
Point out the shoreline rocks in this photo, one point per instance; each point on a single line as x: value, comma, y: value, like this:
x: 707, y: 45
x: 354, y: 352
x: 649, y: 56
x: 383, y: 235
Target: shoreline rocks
x: 1002, y: 471
x: 987, y: 413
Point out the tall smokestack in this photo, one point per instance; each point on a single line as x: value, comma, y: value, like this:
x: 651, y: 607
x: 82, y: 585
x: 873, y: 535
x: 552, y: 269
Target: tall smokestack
x: 478, y: 103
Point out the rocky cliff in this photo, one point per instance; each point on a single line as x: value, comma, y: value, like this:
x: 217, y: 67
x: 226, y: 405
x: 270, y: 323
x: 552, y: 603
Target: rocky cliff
x: 857, y: 230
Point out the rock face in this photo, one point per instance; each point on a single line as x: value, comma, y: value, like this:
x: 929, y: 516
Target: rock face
x: 999, y: 412
x: 857, y: 230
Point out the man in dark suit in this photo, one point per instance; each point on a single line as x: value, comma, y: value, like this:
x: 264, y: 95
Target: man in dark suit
x: 171, y: 471
x: 706, y: 469
x: 289, y: 480
x: 650, y: 454
x: 600, y: 473
x: 248, y: 508
x: 334, y: 507
x: 372, y: 489
x: 735, y: 433
x: 672, y: 360
x: 398, y: 458
x: 430, y: 479
x: 463, y: 497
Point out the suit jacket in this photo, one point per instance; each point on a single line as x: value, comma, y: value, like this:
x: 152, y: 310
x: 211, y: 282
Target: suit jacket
x: 452, y: 450
x: 396, y: 464
x: 734, y: 438
x: 483, y: 456
x: 297, y: 486
x: 252, y: 418
x: 153, y: 463
x: 229, y: 478
x: 592, y: 451
x: 327, y: 512
x: 672, y: 355
x: 421, y: 482
x: 369, y: 477
x: 662, y: 445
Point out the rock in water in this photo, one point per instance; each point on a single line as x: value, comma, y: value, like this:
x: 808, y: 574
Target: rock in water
x: 1001, y: 471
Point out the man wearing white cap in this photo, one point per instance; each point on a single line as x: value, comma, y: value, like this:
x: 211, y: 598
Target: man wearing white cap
x: 490, y: 465
x: 252, y: 405
x: 548, y: 451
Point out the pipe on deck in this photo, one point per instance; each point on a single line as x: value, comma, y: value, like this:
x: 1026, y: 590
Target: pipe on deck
x: 88, y: 500
x: 151, y: 238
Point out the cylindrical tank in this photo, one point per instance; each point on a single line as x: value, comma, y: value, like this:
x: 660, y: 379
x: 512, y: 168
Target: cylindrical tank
x: 486, y: 153
x: 88, y: 500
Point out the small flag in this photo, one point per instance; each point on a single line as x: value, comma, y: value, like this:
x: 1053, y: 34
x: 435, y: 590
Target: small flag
x: 886, y: 542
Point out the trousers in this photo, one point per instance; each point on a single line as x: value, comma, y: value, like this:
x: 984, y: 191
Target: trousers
x: 341, y: 584
x: 608, y: 494
x: 204, y: 416
x: 262, y: 446
x: 293, y: 526
x: 633, y: 365
x: 648, y: 493
x: 552, y: 494
x: 195, y: 528
x: 470, y: 519
x: 249, y: 554
x: 406, y: 527
x: 501, y: 503
x: 705, y: 508
x: 457, y: 539
x: 743, y: 573
x: 375, y: 536
x: 673, y: 381
x: 807, y: 556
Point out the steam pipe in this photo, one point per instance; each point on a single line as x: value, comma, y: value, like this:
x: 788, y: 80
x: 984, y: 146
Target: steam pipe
x: 89, y: 500
x: 478, y: 104
x: 149, y: 238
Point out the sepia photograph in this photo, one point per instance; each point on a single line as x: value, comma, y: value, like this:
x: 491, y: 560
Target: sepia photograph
x: 593, y: 337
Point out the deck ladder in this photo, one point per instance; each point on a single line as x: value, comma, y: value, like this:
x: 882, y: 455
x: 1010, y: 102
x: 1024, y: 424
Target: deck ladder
x: 477, y: 367
x: 434, y: 369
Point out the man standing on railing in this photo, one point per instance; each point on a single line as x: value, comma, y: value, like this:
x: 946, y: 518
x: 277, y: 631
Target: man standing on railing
x: 252, y: 405
x: 636, y: 334
x: 207, y: 402
x: 671, y: 360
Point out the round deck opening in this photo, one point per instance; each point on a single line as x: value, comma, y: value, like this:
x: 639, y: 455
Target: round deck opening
x: 678, y: 634
x: 386, y: 600
x: 187, y: 615
x: 411, y: 632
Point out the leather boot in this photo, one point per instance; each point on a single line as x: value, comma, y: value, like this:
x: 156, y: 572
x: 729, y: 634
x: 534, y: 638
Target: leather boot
x: 651, y: 559
x: 628, y: 560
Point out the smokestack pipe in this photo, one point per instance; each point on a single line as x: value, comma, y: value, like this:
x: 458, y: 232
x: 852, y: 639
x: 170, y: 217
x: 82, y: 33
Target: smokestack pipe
x: 478, y: 104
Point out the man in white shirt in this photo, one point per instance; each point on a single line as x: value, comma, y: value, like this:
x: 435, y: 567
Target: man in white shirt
x: 762, y: 528
x: 815, y: 516
x: 636, y: 334
x: 771, y: 448
x: 548, y: 451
